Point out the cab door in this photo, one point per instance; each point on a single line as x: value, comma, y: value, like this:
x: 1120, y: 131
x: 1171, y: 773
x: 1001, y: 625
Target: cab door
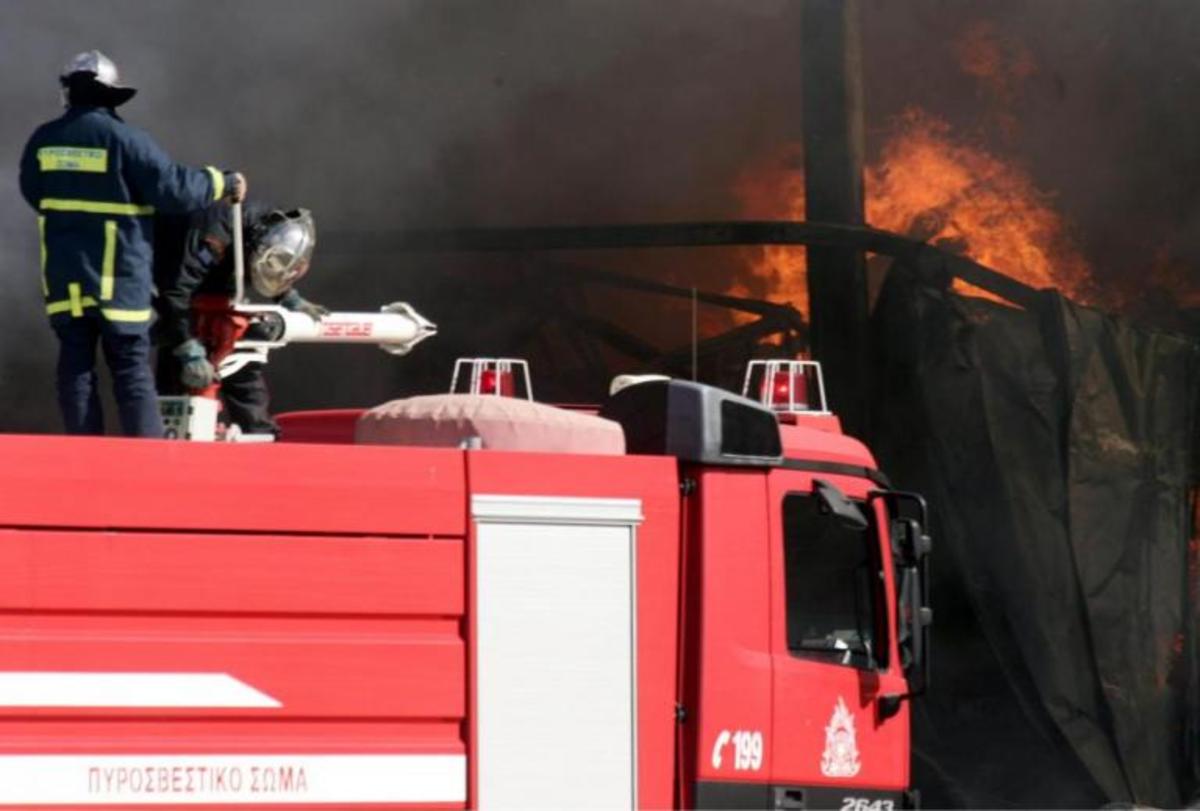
x: 833, y: 651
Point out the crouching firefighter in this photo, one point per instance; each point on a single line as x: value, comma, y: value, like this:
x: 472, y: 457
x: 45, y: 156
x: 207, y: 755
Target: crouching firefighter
x: 196, y: 282
x: 96, y: 183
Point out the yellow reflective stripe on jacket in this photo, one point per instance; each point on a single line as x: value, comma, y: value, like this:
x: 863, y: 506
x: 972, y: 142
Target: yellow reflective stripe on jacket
x: 64, y: 306
x: 75, y: 302
x: 218, y: 181
x: 109, y: 265
x: 135, y: 316
x: 42, y: 240
x: 94, y: 207
x: 76, y: 309
x: 72, y: 159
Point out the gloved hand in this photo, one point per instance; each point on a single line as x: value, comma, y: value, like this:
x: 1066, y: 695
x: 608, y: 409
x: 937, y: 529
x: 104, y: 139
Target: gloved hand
x: 197, y: 372
x: 310, y: 308
x: 235, y: 187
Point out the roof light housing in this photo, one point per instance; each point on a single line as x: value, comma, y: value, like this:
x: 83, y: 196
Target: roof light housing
x: 787, y: 386
x: 498, y: 377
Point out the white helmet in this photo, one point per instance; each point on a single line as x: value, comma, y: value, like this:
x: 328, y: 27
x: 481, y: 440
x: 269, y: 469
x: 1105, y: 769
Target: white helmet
x: 102, y: 72
x: 283, y: 243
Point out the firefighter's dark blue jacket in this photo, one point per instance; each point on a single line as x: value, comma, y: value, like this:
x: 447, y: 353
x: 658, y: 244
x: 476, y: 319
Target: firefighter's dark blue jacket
x: 96, y: 183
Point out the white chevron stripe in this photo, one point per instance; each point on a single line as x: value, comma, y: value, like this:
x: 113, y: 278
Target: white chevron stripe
x: 180, y: 690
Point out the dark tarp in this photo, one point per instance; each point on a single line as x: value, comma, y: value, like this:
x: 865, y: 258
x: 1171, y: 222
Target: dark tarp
x: 1056, y: 447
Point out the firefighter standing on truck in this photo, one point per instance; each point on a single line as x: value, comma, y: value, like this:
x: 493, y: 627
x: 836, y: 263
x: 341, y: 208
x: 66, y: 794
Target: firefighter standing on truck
x: 196, y: 286
x: 95, y: 182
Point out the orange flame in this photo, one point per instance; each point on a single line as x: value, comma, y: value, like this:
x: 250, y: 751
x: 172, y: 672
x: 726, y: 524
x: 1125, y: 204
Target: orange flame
x: 929, y: 186
x: 951, y: 194
x: 774, y: 189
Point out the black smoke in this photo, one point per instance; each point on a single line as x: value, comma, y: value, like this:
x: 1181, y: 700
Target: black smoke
x: 384, y: 115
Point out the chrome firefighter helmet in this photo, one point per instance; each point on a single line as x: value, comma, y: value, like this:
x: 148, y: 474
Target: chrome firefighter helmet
x: 101, y: 72
x: 281, y: 247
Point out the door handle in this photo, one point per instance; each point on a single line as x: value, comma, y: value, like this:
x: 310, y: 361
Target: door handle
x: 789, y: 798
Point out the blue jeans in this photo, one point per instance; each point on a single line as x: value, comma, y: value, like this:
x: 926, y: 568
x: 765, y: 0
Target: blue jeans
x: 128, y: 357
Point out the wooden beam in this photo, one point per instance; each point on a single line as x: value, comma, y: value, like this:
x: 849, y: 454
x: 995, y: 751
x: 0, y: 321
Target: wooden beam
x: 833, y: 158
x: 932, y: 262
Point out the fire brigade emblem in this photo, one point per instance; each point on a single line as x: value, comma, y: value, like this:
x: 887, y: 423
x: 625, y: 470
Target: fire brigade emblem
x: 841, y: 745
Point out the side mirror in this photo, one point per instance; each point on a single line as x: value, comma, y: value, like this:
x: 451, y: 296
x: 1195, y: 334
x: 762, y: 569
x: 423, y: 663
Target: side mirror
x: 910, y: 543
x: 832, y: 501
x: 918, y: 616
x: 911, y: 546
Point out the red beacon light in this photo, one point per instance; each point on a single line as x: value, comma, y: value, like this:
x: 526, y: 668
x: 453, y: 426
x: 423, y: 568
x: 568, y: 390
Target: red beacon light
x: 500, y: 377
x: 787, y: 386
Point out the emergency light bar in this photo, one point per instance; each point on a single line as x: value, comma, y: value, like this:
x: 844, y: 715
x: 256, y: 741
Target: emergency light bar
x: 786, y: 386
x: 495, y: 376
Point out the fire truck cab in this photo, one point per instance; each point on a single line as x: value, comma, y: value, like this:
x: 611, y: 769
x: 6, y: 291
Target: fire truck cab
x: 732, y: 612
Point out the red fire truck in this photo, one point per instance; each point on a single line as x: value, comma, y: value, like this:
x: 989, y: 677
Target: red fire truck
x: 730, y: 611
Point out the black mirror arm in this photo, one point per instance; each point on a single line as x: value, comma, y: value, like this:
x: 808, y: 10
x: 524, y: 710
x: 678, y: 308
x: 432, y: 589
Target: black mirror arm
x: 889, y: 703
x: 831, y: 500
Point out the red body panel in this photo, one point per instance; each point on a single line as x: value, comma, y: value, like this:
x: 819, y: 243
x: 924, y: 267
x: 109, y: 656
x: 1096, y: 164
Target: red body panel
x: 732, y: 636
x: 314, y: 667
x: 802, y: 441
x: 329, y: 581
x: 247, y: 574
x: 117, y: 483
